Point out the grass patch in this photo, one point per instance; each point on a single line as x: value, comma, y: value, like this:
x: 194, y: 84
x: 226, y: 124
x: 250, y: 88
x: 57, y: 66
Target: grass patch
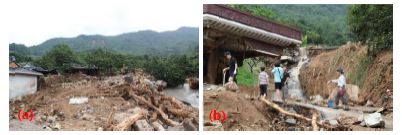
x: 358, y: 74
x: 245, y: 77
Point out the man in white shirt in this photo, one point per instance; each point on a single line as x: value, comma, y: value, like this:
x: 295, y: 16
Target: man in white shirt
x: 341, y: 94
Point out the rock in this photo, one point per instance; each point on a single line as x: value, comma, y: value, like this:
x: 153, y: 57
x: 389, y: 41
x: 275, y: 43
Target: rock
x: 333, y: 122
x: 290, y: 121
x: 160, y: 85
x: 188, y: 125
x: 215, y: 123
x: 353, y: 92
x: 100, y: 129
x: 78, y: 100
x: 374, y: 120
x: 87, y: 117
x: 51, y: 119
x: 369, y: 103
x: 43, y: 117
x: 231, y: 86
x: 176, y: 128
x: 142, y: 125
x: 157, y: 126
x: 57, y: 126
x: 291, y: 110
x: 317, y: 100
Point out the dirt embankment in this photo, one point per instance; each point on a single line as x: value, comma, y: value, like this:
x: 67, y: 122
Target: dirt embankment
x: 373, y: 76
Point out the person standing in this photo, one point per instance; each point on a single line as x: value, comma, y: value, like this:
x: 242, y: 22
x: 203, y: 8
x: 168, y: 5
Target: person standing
x: 263, y: 82
x: 277, y: 72
x: 285, y: 79
x: 232, y: 67
x: 341, y: 93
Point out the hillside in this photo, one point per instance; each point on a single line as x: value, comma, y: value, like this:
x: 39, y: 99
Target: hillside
x: 373, y: 76
x: 139, y: 43
x: 320, y: 24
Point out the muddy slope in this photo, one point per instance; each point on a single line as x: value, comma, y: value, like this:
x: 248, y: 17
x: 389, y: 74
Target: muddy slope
x: 374, y: 81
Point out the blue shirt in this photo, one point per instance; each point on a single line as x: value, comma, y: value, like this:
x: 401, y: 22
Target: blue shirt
x: 278, y: 74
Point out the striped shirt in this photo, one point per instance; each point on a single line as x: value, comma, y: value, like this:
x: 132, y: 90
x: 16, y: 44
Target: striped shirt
x: 263, y: 77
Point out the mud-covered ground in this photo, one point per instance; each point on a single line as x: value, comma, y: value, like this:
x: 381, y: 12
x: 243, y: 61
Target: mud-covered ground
x: 111, y: 100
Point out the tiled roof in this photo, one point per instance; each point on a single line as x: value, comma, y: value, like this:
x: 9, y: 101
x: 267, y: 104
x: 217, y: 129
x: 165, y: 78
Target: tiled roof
x: 23, y: 71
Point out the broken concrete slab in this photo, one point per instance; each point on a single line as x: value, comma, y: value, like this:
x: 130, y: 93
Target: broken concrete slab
x: 78, y: 100
x: 374, y: 120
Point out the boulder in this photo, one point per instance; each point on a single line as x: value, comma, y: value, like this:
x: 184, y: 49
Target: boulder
x: 374, y: 120
x: 157, y: 126
x: 142, y: 125
x: 188, y: 125
x: 333, y: 122
x: 369, y: 104
x: 290, y: 121
x: 353, y: 92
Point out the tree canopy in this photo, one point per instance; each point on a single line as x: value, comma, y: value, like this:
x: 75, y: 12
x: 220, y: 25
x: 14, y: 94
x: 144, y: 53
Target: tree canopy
x: 372, y: 25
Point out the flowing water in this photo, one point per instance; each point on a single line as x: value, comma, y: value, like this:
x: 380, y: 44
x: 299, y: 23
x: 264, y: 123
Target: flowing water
x: 184, y: 93
x: 294, y: 88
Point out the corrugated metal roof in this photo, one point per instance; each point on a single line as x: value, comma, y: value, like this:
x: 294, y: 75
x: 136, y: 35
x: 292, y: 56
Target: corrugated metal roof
x: 14, y: 71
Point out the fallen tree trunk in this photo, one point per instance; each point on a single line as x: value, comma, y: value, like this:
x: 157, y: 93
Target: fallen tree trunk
x: 314, y: 121
x: 283, y: 111
x: 161, y: 113
x: 127, y: 123
x: 295, y: 115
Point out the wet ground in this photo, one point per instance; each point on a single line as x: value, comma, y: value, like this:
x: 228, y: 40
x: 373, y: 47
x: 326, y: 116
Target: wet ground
x: 184, y: 93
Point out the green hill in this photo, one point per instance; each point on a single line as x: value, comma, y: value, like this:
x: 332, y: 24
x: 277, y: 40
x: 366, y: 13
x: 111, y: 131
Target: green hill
x: 180, y: 41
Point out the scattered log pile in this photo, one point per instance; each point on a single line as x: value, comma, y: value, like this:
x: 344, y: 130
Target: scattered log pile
x: 156, y: 107
x: 314, y: 120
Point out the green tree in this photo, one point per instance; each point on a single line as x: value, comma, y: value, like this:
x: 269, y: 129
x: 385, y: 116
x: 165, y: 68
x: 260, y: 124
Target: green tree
x: 372, y: 25
x: 60, y: 57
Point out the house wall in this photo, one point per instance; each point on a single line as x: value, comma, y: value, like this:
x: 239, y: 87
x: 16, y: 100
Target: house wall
x: 21, y: 85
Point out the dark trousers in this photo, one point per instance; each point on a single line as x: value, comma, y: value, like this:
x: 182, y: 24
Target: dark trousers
x: 341, y: 96
x: 263, y: 89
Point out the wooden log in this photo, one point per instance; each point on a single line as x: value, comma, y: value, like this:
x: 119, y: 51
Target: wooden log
x: 126, y: 124
x: 283, y: 111
x: 295, y: 115
x: 161, y: 113
x: 314, y: 122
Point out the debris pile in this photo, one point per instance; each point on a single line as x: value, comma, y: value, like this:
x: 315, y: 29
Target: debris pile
x: 123, y: 102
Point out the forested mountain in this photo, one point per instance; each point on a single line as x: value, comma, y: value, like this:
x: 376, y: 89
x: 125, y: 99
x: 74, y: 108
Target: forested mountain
x: 148, y: 42
x: 320, y: 24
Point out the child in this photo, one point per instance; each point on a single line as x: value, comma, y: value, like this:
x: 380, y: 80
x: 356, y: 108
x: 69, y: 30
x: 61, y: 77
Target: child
x: 263, y: 82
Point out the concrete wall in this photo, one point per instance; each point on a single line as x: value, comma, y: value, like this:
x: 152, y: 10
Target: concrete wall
x: 21, y: 85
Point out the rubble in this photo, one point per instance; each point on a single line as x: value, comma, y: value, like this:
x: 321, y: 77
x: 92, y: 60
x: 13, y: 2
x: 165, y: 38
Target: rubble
x: 118, y: 102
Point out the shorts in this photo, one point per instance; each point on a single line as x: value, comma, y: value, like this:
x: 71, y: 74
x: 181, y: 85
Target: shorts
x: 278, y: 85
x: 263, y: 89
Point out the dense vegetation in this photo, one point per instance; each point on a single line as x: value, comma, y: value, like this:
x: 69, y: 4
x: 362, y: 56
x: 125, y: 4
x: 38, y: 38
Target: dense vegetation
x: 173, y: 68
x: 320, y: 24
x: 148, y: 42
x: 372, y: 25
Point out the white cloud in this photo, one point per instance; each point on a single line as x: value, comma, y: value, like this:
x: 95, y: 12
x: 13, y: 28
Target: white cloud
x: 33, y: 22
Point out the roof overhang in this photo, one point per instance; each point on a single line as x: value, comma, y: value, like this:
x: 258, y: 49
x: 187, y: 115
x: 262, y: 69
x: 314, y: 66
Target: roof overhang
x: 223, y: 24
